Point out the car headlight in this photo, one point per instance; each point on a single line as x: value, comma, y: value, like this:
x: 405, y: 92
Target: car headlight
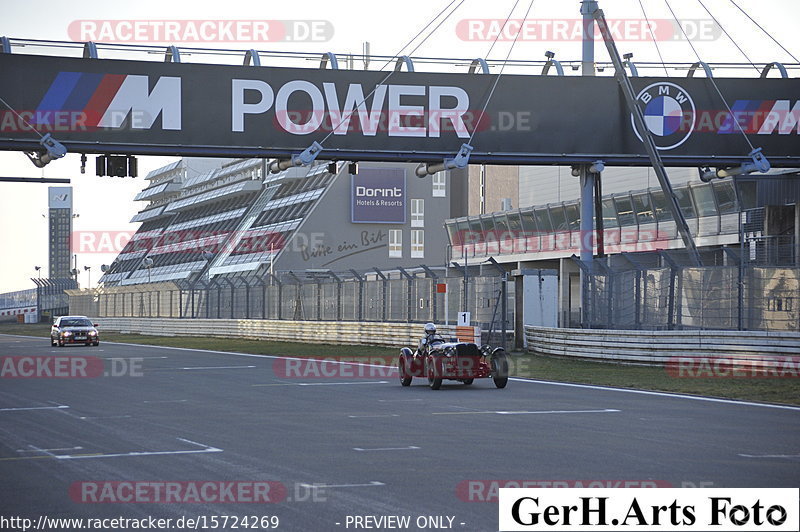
x: 66, y: 333
x: 92, y: 333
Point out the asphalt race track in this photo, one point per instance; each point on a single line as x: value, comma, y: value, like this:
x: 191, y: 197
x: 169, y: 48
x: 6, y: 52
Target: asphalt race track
x: 372, y: 447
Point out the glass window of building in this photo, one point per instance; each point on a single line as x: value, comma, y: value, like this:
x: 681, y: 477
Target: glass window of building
x: 726, y: 196
x: 573, y: 217
x: 417, y: 244
x: 660, y: 208
x: 452, y: 233
x: 500, y: 223
x: 684, y: 197
x: 514, y: 222
x: 439, y: 183
x: 417, y: 213
x: 528, y: 221
x: 704, y: 200
x: 609, y: 214
x: 474, y: 231
x: 559, y: 218
x: 624, y: 210
x: 488, y: 226
x: 396, y: 243
x: 543, y: 220
x: 643, y: 209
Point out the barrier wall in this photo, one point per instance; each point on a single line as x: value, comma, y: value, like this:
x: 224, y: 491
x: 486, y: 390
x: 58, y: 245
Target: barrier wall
x: 658, y: 347
x: 329, y: 332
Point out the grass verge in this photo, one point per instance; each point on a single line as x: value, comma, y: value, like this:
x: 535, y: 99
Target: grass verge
x: 771, y: 390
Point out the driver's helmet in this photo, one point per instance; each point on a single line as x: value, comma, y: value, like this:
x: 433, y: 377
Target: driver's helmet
x: 430, y: 328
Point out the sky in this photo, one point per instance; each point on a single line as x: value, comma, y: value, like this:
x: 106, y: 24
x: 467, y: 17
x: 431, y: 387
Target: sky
x: 104, y: 205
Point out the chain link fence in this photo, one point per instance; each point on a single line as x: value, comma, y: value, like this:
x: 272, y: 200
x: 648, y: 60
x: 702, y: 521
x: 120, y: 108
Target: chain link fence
x: 294, y: 296
x: 714, y: 297
x: 757, y: 287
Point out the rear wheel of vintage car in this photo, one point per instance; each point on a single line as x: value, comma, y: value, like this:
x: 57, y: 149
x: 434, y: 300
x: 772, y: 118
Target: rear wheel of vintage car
x: 405, y: 378
x: 434, y: 372
x: 500, y: 369
x: 468, y: 381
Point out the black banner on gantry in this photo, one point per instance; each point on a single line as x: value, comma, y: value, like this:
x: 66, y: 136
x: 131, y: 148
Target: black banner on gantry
x: 137, y: 107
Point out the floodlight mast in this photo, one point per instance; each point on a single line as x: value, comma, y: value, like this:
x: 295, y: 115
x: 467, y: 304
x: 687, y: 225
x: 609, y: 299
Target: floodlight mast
x: 647, y: 137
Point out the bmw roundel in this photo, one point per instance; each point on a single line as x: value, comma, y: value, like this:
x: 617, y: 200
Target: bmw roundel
x: 669, y: 114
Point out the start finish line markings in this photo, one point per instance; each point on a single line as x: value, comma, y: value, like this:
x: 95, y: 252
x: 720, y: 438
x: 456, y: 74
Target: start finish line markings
x: 204, y: 449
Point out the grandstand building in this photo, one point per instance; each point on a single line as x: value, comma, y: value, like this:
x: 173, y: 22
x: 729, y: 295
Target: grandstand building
x: 208, y: 219
x: 754, y: 218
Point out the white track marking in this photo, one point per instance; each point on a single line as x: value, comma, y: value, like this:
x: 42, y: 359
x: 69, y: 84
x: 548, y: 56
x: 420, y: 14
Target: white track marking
x: 103, y: 417
x: 205, y: 449
x: 208, y: 367
x: 33, y: 408
x: 408, y: 448
x: 36, y: 449
x: 770, y: 455
x: 45, y: 451
x: 375, y: 415
x: 325, y: 486
x: 658, y: 394
x: 516, y: 379
x: 321, y: 383
x: 511, y: 413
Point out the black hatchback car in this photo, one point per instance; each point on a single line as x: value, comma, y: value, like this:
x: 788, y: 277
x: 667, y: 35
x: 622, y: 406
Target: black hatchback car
x: 74, y: 330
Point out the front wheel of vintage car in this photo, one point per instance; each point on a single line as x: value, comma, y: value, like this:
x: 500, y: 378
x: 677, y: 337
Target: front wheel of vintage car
x: 500, y: 369
x: 434, y: 372
x: 405, y: 378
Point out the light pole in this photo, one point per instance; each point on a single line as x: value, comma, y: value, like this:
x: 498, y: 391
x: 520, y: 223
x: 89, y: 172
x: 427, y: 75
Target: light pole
x: 88, y: 270
x: 38, y: 270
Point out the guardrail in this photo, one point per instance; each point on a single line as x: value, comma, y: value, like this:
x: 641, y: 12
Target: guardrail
x: 659, y: 347
x: 332, y: 332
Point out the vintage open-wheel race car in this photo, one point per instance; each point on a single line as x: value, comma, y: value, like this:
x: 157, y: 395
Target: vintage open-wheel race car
x: 460, y: 361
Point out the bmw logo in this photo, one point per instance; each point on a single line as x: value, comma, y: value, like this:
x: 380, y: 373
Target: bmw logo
x: 669, y: 114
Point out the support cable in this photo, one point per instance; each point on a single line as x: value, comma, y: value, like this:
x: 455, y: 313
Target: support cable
x: 711, y: 79
x: 496, y: 37
x: 728, y: 35
x: 653, y: 37
x: 768, y: 34
x: 502, y: 67
x: 21, y: 118
x: 398, y: 54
